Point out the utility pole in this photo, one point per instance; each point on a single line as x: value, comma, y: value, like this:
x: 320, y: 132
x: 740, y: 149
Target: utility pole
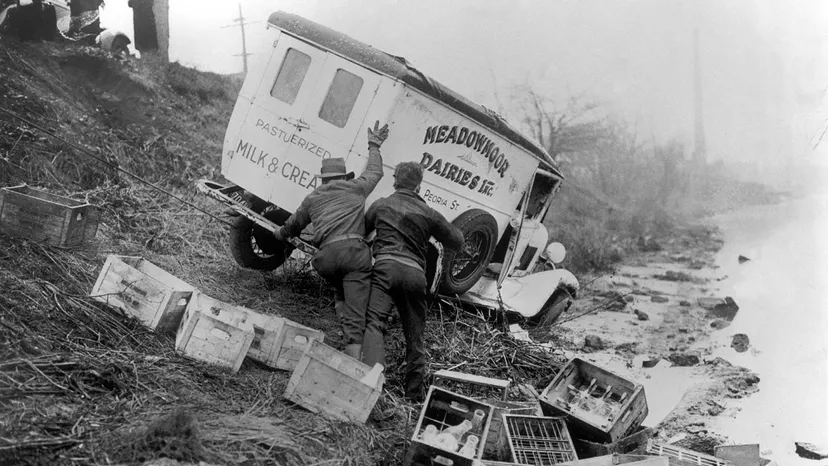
x: 241, y: 24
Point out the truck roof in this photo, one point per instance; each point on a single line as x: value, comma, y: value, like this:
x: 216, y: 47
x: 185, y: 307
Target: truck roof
x: 399, y: 68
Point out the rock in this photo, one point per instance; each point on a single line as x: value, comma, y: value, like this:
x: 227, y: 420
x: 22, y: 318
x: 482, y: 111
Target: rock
x: 648, y: 363
x: 629, y: 347
x: 684, y: 303
x: 719, y: 362
x: 810, y: 451
x: 740, y: 342
x: 684, y: 359
x: 659, y: 299
x: 594, y: 342
x: 715, y: 410
x: 683, y: 330
x: 629, y: 298
x: 642, y: 315
x: 719, y: 324
x: 743, y: 259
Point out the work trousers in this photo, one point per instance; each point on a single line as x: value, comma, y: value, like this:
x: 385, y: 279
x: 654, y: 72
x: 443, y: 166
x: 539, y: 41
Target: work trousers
x: 346, y: 265
x: 404, y: 286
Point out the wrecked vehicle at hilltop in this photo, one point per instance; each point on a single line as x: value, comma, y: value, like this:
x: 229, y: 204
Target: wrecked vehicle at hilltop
x: 311, y: 97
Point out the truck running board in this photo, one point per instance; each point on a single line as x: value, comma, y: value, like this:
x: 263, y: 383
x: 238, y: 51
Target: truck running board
x: 222, y: 194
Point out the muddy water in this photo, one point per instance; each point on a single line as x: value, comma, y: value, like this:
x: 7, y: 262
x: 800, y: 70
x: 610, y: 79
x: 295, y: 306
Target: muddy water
x: 782, y: 293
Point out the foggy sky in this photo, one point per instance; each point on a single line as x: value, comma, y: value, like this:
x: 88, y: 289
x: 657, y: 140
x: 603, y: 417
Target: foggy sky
x: 764, y: 63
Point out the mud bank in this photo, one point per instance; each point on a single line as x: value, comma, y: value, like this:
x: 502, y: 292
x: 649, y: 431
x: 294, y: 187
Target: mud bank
x: 644, y: 322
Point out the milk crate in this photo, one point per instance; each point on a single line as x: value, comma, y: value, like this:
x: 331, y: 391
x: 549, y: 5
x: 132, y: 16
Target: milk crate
x: 43, y: 217
x: 613, y: 460
x: 538, y: 440
x: 599, y: 405
x: 214, y: 332
x: 332, y: 383
x: 279, y: 342
x: 143, y: 290
x: 633, y: 443
x: 496, y: 444
x: 678, y: 456
x: 442, y: 409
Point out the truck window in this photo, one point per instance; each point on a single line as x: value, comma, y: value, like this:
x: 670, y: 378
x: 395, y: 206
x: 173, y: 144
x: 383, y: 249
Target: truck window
x: 290, y: 77
x: 342, y: 96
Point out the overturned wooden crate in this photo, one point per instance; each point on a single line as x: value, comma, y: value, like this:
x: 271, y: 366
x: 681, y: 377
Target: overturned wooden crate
x: 44, y: 217
x: 613, y: 460
x: 443, y: 409
x: 495, y: 447
x: 332, y: 383
x: 635, y: 442
x: 279, y: 342
x: 143, y: 290
x: 538, y: 440
x: 678, y: 456
x: 214, y: 332
x: 599, y: 406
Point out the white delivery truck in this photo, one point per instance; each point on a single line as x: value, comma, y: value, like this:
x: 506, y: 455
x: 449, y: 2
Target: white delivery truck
x: 314, y: 94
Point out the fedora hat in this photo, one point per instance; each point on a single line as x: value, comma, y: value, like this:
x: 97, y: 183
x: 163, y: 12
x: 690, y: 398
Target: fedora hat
x: 334, y: 167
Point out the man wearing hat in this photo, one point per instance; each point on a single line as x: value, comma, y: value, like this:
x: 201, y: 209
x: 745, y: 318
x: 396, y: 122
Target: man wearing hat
x: 337, y: 211
x: 403, y: 222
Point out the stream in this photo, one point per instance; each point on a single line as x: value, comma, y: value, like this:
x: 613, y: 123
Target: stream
x: 782, y: 293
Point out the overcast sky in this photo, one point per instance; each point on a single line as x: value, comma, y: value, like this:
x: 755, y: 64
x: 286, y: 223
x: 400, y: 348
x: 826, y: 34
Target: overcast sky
x: 764, y: 62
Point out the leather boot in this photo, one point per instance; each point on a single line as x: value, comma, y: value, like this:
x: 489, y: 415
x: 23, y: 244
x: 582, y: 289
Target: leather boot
x: 354, y: 351
x: 373, y: 348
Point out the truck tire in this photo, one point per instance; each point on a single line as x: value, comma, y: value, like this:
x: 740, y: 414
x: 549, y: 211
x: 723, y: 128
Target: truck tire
x: 254, y: 247
x: 463, y: 268
x: 552, y: 309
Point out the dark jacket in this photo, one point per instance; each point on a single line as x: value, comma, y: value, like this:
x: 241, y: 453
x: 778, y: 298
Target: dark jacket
x: 404, y: 222
x: 337, y: 208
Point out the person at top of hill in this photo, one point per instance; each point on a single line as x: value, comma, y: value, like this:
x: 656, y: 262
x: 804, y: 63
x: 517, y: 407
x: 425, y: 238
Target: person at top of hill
x: 404, y: 223
x: 337, y: 211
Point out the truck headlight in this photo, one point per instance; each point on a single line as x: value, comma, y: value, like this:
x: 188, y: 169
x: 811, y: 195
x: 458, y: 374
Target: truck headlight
x: 555, y: 252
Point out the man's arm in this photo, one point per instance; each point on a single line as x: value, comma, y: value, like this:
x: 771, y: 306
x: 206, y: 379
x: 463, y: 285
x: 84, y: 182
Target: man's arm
x: 447, y: 234
x: 297, y: 222
x: 369, y: 178
x: 371, y: 217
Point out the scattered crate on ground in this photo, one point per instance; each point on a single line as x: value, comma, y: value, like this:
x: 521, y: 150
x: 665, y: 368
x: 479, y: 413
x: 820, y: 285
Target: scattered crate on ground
x: 279, y: 342
x: 214, y: 332
x: 332, y: 383
x: 43, y: 217
x: 445, y: 410
x: 599, y: 406
x: 683, y: 457
x: 143, y: 290
x: 538, y: 440
x: 635, y: 442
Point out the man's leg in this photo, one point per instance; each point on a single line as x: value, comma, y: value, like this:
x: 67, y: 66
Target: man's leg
x: 410, y: 298
x: 355, y: 263
x: 379, y: 305
x: 325, y: 263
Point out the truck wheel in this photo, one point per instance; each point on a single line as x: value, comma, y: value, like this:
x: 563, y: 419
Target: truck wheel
x: 253, y: 247
x: 556, y: 305
x: 462, y: 269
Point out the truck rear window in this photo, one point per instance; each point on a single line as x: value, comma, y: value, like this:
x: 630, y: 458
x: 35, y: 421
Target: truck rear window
x: 290, y: 77
x: 341, y: 98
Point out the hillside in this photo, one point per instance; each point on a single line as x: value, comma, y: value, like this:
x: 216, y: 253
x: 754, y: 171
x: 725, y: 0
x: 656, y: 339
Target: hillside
x: 82, y: 384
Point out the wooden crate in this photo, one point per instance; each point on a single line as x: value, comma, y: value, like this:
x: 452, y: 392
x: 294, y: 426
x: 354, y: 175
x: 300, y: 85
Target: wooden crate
x: 678, y: 456
x: 332, y: 383
x: 612, y: 460
x: 635, y: 442
x: 143, y: 290
x: 214, y: 332
x: 43, y: 217
x: 443, y: 408
x: 538, y: 440
x: 279, y: 342
x: 497, y: 447
x: 600, y: 406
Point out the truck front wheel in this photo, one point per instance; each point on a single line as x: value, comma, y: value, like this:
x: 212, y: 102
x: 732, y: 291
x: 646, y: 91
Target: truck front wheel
x: 552, y: 309
x: 254, y: 247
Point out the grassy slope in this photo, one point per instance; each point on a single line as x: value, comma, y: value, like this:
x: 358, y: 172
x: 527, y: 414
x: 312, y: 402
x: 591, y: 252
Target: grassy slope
x: 80, y: 383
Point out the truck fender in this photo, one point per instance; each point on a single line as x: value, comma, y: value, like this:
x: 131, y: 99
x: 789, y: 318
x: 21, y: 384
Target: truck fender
x: 538, y: 287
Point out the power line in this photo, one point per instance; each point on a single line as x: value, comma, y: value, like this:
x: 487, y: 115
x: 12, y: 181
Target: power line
x: 241, y: 24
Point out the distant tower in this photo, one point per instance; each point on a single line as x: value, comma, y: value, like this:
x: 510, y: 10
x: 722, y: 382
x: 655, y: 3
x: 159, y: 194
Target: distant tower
x: 700, y: 151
